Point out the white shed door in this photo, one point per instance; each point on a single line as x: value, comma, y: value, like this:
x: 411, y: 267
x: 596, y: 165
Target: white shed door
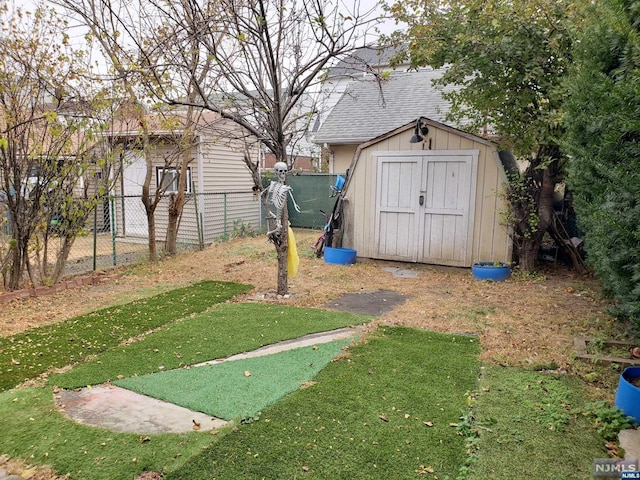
x: 424, y: 206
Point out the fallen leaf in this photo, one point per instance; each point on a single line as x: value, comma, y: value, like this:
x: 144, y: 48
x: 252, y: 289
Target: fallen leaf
x: 453, y: 425
x: 428, y: 424
x: 14, y: 361
x: 305, y: 468
x: 247, y: 373
x: 144, y: 440
x: 196, y: 425
x: 383, y: 418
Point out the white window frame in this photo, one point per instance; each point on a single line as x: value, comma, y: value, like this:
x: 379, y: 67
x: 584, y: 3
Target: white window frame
x: 170, y: 175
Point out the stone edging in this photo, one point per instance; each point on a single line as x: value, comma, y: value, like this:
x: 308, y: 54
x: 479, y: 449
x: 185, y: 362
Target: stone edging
x: 58, y: 287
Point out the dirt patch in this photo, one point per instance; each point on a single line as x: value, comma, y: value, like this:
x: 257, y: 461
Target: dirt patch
x: 23, y: 470
x: 374, y: 303
x: 521, y: 321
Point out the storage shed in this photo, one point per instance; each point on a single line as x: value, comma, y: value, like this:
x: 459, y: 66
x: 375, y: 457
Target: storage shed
x: 435, y: 200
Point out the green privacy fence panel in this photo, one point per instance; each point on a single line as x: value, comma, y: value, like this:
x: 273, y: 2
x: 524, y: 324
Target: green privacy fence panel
x: 312, y: 193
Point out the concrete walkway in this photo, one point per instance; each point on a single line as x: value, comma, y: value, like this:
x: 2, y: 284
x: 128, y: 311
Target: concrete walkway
x: 122, y: 410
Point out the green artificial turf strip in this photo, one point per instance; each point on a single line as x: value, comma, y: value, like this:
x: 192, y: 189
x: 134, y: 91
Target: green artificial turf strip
x: 530, y: 427
x: 225, y: 391
x: 364, y: 419
x: 34, y: 430
x: 222, y: 331
x: 31, y: 353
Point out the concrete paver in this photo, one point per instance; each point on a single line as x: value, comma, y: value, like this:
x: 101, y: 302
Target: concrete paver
x: 122, y: 410
x: 630, y: 441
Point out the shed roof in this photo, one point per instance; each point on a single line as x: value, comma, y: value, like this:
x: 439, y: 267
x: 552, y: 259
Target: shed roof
x: 369, y: 108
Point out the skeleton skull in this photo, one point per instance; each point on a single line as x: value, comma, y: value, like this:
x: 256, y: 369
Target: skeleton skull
x: 280, y: 168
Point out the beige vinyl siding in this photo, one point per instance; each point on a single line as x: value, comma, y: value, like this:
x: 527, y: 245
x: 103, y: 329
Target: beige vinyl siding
x: 342, y: 156
x: 221, y: 198
x: 490, y: 238
x: 224, y: 168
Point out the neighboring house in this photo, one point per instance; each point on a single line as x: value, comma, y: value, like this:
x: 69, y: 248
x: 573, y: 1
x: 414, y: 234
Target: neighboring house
x: 365, y: 63
x: 219, y: 184
x: 435, y: 201
x: 300, y: 163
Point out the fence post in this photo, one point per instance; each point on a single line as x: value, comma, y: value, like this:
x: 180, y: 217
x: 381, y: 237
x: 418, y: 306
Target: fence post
x: 198, y: 217
x: 95, y: 236
x: 112, y: 220
x: 225, y: 213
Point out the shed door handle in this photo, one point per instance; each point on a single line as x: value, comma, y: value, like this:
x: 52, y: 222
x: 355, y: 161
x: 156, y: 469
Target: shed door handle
x: 421, y: 200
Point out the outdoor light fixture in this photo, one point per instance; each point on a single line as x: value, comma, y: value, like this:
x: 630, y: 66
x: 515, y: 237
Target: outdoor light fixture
x: 420, y: 131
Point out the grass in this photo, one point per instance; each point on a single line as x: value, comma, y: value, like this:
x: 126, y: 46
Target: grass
x: 218, y: 333
x: 531, y: 425
x: 26, y: 355
x: 384, y: 411
x: 237, y: 389
x: 399, y: 404
x: 34, y: 430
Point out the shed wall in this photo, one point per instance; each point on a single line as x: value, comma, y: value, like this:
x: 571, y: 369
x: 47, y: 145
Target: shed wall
x: 490, y: 238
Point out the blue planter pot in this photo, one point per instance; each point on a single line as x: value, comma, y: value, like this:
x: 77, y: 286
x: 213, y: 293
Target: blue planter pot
x: 628, y: 395
x: 495, y: 271
x: 340, y: 256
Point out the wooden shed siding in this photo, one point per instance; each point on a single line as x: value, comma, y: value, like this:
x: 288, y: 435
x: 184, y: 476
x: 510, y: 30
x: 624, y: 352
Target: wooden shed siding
x: 490, y: 239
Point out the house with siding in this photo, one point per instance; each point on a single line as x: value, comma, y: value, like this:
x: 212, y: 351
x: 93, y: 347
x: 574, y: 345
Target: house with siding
x: 417, y: 189
x: 219, y: 186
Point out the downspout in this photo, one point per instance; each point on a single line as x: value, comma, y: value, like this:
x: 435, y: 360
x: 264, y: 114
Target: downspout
x: 326, y: 148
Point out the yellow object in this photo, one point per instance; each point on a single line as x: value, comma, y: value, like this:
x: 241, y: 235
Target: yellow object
x: 292, y: 255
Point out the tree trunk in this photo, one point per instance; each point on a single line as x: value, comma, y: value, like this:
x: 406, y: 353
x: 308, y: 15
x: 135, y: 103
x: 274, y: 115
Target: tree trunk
x: 282, y: 248
x: 63, y: 255
x: 153, y: 250
x: 176, y: 200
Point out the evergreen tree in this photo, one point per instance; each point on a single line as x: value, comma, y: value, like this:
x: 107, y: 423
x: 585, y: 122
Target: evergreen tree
x: 603, y: 138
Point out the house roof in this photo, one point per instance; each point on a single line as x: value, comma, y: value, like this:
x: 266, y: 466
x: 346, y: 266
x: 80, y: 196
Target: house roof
x: 369, y: 109
x: 363, y: 60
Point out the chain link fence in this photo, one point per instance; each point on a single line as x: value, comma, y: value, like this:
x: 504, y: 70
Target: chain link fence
x: 116, y: 232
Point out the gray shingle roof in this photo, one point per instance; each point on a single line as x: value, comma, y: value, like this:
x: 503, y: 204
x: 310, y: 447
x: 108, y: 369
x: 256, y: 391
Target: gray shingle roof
x: 364, y: 60
x: 369, y: 109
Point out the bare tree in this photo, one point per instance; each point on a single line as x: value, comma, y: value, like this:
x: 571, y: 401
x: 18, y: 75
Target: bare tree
x: 267, y: 58
x: 254, y: 62
x: 121, y: 30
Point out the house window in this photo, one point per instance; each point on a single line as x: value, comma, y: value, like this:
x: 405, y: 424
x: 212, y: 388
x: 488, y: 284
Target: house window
x: 167, y: 179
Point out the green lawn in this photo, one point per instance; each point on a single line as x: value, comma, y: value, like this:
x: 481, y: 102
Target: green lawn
x: 237, y: 389
x: 384, y: 411
x: 531, y: 426
x: 222, y: 331
x: 26, y: 355
x: 400, y: 403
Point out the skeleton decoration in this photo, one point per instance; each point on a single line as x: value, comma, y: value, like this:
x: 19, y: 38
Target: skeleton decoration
x: 277, y: 194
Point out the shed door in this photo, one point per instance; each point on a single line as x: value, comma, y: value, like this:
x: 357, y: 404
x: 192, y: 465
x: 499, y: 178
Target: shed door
x: 424, y: 206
